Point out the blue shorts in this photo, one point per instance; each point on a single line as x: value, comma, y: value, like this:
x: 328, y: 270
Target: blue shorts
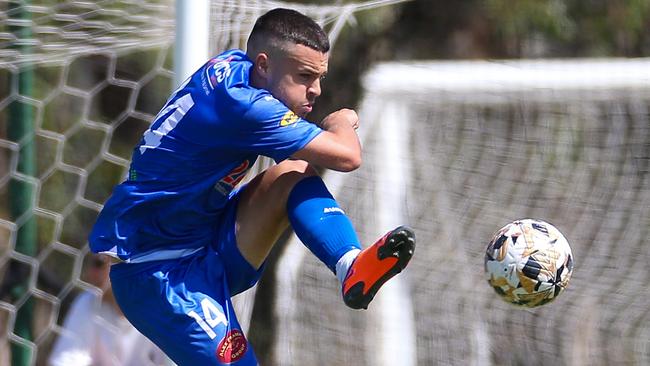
x: 183, y: 305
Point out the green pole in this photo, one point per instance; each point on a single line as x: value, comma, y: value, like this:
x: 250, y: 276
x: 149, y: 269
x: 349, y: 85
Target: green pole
x: 21, y: 128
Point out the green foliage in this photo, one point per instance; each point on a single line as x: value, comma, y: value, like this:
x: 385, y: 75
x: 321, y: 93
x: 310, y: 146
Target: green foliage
x: 611, y: 28
x: 523, y: 17
x: 471, y: 29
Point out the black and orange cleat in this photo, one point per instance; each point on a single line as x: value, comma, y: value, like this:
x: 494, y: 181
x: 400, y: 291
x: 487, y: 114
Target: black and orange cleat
x: 377, y: 264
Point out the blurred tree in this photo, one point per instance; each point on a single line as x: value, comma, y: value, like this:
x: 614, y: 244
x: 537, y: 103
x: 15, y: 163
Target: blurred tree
x: 473, y: 29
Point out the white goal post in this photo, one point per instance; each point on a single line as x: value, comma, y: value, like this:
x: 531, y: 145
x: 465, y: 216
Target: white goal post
x: 192, y: 37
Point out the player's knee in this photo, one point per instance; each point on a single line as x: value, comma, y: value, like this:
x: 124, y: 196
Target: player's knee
x: 297, y: 168
x: 289, y: 173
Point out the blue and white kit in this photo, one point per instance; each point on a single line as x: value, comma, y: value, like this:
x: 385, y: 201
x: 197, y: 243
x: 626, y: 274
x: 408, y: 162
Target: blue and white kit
x: 172, y: 221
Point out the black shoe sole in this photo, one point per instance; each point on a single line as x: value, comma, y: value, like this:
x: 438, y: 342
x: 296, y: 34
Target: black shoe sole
x: 399, y: 244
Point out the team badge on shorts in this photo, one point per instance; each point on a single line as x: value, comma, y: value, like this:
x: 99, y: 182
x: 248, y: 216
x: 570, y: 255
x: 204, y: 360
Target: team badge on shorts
x: 232, y: 347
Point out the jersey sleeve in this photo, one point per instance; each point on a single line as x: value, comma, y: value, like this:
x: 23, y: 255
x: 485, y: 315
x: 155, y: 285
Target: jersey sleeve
x: 271, y: 129
x: 245, y: 119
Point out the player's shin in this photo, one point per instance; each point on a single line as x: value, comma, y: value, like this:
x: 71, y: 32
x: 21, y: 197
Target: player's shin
x: 320, y: 223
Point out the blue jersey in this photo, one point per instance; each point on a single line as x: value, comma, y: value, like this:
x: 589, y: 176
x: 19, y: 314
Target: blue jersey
x: 199, y: 147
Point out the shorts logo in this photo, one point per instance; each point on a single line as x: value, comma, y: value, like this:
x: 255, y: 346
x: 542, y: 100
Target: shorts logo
x: 289, y: 119
x: 232, y: 347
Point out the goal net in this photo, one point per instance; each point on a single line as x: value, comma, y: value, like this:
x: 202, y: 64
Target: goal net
x: 458, y: 150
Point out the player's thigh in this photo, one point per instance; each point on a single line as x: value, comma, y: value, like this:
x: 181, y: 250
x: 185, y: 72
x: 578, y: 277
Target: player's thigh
x: 240, y: 274
x: 185, y: 309
x: 262, y: 213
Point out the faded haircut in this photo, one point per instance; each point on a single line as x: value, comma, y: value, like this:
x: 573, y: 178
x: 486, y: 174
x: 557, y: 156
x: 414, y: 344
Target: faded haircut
x: 279, y: 27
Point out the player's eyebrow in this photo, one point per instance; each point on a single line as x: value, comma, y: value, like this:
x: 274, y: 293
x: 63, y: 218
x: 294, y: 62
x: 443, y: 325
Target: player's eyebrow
x: 308, y: 68
x: 312, y: 71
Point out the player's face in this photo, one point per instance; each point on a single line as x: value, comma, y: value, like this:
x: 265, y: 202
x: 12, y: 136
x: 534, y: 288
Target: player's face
x: 295, y: 77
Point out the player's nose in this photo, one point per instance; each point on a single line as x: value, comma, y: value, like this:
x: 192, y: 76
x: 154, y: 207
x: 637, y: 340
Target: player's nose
x: 314, y: 89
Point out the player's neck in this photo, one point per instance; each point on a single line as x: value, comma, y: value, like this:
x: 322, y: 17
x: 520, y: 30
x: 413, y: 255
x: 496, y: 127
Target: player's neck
x: 256, y: 81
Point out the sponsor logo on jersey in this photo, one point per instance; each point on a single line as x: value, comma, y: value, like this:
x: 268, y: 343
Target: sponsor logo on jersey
x: 232, y: 347
x: 289, y: 118
x: 232, y: 179
x: 236, y: 175
x: 217, y: 70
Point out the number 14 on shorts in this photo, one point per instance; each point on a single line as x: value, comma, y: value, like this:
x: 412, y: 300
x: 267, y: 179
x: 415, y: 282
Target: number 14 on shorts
x: 212, y: 317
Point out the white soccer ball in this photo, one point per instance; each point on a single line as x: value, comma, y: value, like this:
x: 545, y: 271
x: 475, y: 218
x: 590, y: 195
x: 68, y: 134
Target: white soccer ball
x: 528, y: 262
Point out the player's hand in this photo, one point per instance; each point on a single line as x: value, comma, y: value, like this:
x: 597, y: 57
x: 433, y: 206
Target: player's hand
x: 344, y: 115
x: 338, y: 146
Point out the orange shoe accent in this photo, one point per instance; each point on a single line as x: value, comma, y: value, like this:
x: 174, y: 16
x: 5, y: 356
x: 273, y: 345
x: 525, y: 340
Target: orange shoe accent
x: 373, y: 268
x: 377, y: 264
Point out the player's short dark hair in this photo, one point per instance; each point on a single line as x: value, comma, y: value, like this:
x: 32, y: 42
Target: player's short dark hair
x: 279, y: 26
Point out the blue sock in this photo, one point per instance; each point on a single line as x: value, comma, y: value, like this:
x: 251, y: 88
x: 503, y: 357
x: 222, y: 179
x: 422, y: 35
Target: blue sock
x: 319, y: 222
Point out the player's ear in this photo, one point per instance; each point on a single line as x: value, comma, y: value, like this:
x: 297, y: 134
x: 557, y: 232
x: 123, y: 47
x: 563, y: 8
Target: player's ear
x: 262, y: 65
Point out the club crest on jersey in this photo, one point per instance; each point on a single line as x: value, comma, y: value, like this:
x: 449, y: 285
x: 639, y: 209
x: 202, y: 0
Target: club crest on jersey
x: 217, y: 70
x: 232, y: 347
x: 289, y: 118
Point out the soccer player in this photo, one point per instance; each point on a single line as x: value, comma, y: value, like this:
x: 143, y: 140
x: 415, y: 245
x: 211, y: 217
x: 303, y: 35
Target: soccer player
x: 190, y: 236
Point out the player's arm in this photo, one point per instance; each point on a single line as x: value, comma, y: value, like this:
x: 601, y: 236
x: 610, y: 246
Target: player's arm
x: 337, y: 147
